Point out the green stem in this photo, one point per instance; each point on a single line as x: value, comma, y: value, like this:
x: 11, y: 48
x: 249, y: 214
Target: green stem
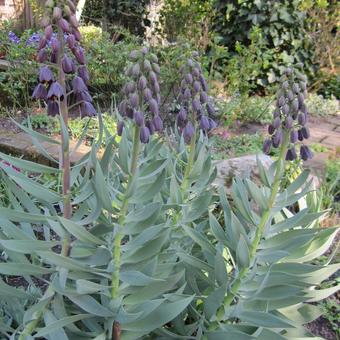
x: 121, y: 219
x: 185, y: 181
x: 264, y: 219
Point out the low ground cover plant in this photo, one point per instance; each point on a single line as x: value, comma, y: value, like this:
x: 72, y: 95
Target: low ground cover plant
x: 138, y: 243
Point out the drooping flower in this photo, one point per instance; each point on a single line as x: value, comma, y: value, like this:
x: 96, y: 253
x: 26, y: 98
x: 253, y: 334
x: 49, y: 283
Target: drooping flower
x: 40, y: 92
x: 45, y: 75
x: 55, y: 91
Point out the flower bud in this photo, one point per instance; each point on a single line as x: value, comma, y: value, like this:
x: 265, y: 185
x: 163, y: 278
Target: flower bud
x: 187, y: 93
x: 156, y: 68
x: 291, y: 154
x: 153, y: 106
x: 71, y: 41
x: 212, y: 124
x: 139, y: 119
x: 196, y: 72
x: 203, y: 83
x: 142, y: 83
x: 277, y: 123
x: 154, y: 58
x: 305, y: 132
x: 147, y: 94
x: 67, y: 64
x: 55, y: 45
x: 79, y: 54
x: 197, y: 86
x: 276, y: 113
x: 290, y: 95
x: 134, y: 100
x: 266, y: 146
x: 305, y: 153
x: 196, y: 105
x: 293, y: 136
x: 74, y: 21
x: 277, y: 138
x: 57, y: 13
x: 71, y: 5
x: 295, y: 105
x: 300, y: 135
x: 188, y: 132
x: 120, y: 127
x: 63, y: 24
x: 149, y: 125
x: 42, y: 43
x: 210, y: 109
x: 296, y: 88
x: 203, y: 97
x: 188, y: 78
x: 302, y: 119
x: 153, y: 77
x: 134, y: 55
x: 204, y: 123
x: 271, y: 129
x: 158, y: 123
x: 76, y: 34
x: 67, y: 11
x: 190, y: 63
x: 182, y: 115
x: 289, y: 122
x: 54, y: 57
x: 147, y: 65
x: 48, y: 32
x: 285, y: 85
x: 83, y: 96
x: 83, y: 74
x: 144, y: 135
x: 49, y: 4
x: 136, y: 70
x: 144, y: 50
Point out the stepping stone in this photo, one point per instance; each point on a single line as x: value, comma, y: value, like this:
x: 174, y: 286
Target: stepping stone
x: 20, y: 144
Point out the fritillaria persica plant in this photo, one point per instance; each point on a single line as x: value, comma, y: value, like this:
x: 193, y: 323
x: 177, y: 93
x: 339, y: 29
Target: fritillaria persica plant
x: 146, y: 248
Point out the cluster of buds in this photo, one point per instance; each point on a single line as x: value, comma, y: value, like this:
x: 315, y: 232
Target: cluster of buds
x: 290, y: 116
x: 196, y: 106
x: 62, y: 51
x: 142, y: 94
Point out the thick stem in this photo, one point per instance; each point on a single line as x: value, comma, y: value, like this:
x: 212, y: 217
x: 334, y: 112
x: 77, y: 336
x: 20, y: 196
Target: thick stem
x: 123, y: 211
x: 185, y: 181
x: 65, y: 154
x: 265, y: 217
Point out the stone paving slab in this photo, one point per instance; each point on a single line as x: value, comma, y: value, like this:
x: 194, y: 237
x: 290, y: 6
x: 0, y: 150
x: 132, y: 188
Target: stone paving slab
x: 20, y: 144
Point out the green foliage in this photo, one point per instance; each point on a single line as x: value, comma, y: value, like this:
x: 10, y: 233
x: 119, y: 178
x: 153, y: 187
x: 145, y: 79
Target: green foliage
x: 330, y: 187
x: 245, y: 67
x: 236, y: 146
x: 330, y: 87
x: 282, y: 24
x: 320, y: 106
x: 17, y: 82
x: 124, y: 13
x: 187, y: 19
x: 331, y: 312
x: 254, y: 109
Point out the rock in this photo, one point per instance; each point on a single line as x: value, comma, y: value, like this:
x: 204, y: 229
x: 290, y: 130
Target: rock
x: 243, y: 167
